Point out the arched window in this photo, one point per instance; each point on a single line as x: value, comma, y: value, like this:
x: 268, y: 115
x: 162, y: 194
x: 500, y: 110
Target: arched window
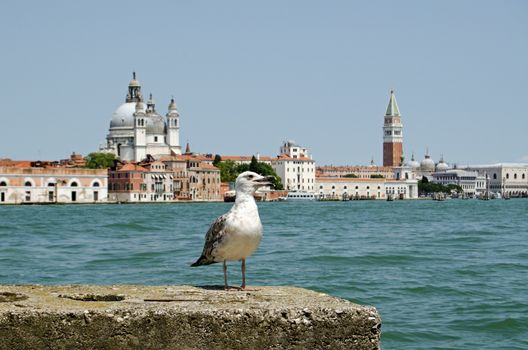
x: 523, y: 177
x: 3, y: 183
x: 74, y: 184
x: 515, y: 176
x: 357, y: 187
x: 333, y: 187
x: 345, y: 187
x: 494, y: 176
x: 28, y: 184
x: 368, y: 187
x: 51, y: 184
x: 96, y: 184
x: 507, y: 175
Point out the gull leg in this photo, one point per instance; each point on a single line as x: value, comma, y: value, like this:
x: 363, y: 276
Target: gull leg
x: 226, y: 287
x: 243, y: 268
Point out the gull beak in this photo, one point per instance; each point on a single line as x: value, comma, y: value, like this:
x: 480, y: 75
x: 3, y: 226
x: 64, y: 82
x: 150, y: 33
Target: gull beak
x: 265, y: 181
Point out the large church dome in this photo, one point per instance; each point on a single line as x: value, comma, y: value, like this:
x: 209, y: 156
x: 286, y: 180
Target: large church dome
x: 123, y: 117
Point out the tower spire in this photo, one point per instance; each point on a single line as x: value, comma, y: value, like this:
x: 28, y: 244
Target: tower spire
x: 392, y: 108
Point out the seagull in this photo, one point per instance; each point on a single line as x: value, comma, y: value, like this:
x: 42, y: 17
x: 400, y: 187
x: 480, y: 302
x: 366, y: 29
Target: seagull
x: 236, y: 234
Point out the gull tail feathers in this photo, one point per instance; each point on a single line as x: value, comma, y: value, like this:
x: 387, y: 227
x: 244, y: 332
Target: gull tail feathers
x: 203, y: 260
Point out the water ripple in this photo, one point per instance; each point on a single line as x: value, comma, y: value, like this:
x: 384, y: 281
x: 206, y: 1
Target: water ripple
x: 442, y: 274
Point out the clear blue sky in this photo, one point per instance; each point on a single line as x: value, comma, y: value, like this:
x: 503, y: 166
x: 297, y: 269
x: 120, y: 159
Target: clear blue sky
x: 247, y: 75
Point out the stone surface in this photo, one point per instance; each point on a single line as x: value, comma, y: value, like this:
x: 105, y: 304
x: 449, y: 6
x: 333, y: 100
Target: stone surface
x: 181, y: 317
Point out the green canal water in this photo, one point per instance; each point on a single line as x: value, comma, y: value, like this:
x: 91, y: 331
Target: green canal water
x: 450, y: 274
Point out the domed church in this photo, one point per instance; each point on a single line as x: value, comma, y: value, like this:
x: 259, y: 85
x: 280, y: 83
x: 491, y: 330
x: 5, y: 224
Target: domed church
x: 137, y: 130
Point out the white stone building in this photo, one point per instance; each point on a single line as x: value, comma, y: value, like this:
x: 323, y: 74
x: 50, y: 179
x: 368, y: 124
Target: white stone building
x: 136, y: 130
x: 471, y: 183
x: 345, y: 188
x: 295, y: 167
x: 357, y: 188
x: 52, y: 185
x: 509, y: 179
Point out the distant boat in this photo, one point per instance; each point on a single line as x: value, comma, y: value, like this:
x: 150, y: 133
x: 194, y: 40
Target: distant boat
x: 229, y: 196
x: 389, y: 198
x: 299, y: 195
x: 439, y: 196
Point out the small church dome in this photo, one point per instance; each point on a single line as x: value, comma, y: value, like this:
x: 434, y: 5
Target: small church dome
x: 155, y: 124
x: 413, y: 163
x: 442, y: 166
x: 427, y: 164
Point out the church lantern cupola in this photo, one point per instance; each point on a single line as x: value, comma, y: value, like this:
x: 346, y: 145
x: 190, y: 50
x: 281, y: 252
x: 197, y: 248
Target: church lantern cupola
x: 134, y: 90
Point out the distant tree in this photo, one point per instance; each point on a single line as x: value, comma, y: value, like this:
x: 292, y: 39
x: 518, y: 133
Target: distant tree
x: 426, y: 187
x: 354, y: 176
x: 254, y: 165
x: 99, y: 160
x: 229, y: 171
x: 217, y: 159
x: 455, y: 188
x: 377, y: 176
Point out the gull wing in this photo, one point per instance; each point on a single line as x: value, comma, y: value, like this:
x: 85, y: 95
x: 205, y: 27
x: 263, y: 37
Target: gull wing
x: 213, y: 236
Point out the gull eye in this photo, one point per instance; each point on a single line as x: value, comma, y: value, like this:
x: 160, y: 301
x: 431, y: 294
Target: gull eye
x: 250, y: 176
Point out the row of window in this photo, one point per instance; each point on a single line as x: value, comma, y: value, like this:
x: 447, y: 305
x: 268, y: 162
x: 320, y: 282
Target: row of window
x: 50, y: 184
x: 346, y: 187
x: 508, y: 176
x: 301, y: 170
x: 51, y: 196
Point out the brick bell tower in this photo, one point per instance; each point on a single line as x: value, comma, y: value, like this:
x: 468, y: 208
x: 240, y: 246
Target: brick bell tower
x: 392, y: 134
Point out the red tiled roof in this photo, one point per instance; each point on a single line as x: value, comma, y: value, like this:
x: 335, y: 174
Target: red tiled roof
x: 197, y: 157
x: 287, y: 157
x: 15, y: 163
x: 207, y: 166
x: 246, y: 158
x: 131, y: 167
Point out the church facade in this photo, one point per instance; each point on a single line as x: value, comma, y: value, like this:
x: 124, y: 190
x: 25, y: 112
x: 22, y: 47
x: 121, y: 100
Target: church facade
x: 137, y: 129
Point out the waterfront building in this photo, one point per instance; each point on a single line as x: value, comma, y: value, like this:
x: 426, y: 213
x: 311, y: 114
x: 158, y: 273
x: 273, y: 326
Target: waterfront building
x: 40, y: 182
x: 137, y: 130
x: 204, y: 182
x: 362, y: 172
x: 392, y: 134
x: 508, y: 179
x: 140, y: 182
x: 363, y: 188
x: 195, y: 177
x: 345, y: 188
x: 295, y: 167
x: 471, y: 183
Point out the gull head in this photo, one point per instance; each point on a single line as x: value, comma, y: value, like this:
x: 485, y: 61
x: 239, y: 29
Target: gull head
x: 248, y: 182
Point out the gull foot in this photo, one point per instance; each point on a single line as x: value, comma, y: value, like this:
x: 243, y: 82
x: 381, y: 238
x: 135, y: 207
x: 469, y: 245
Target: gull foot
x: 231, y: 289
x: 248, y: 289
